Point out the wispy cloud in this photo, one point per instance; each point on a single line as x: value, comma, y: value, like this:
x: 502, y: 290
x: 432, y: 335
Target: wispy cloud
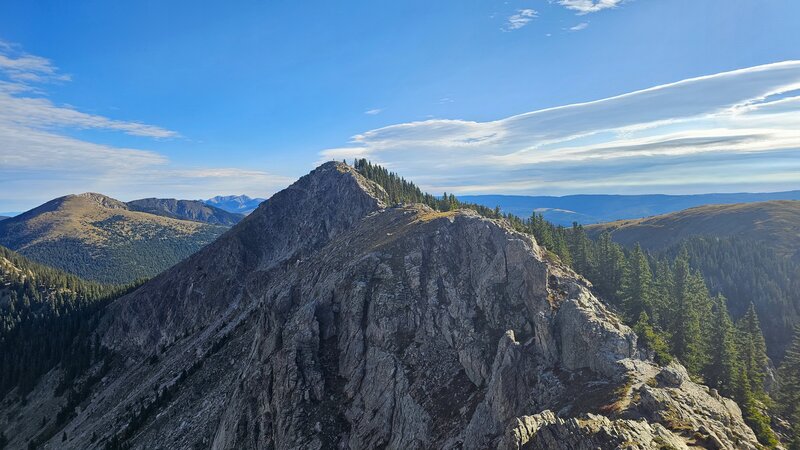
x: 23, y: 67
x: 373, y: 112
x: 707, y: 133
x: 580, y: 26
x: 518, y: 20
x: 40, y: 160
x: 589, y: 6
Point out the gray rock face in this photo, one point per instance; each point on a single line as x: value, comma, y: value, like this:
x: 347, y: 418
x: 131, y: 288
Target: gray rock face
x: 327, y: 320
x: 547, y: 431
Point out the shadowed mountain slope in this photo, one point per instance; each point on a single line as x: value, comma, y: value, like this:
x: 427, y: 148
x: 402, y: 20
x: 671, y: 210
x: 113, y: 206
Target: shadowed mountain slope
x: 194, y: 210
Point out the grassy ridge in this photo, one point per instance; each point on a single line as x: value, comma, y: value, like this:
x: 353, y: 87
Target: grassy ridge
x: 100, y: 239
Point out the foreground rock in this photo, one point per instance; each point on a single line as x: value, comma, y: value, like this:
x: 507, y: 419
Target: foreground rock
x: 326, y: 319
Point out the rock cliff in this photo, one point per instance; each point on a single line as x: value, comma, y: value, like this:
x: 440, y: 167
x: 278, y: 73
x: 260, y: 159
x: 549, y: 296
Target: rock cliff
x: 329, y: 319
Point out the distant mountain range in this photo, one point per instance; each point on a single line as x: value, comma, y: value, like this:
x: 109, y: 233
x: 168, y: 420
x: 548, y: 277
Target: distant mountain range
x: 591, y: 209
x: 102, y: 239
x: 240, y: 204
x: 195, y: 210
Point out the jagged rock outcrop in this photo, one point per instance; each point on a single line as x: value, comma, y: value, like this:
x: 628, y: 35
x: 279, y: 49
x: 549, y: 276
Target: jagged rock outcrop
x: 327, y: 319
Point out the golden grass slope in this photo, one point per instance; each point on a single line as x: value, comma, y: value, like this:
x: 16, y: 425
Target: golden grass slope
x: 99, y: 238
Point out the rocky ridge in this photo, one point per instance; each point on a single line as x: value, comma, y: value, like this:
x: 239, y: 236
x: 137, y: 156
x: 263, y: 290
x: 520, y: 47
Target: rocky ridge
x: 328, y: 319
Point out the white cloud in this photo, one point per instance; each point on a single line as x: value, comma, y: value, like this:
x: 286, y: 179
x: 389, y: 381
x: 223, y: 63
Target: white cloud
x: 23, y: 67
x: 521, y: 18
x: 580, y: 26
x: 589, y: 6
x: 725, y: 129
x: 39, y: 159
x: 41, y: 113
x: 373, y: 112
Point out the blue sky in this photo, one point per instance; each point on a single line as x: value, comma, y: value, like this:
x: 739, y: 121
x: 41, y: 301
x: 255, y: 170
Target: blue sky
x: 193, y: 99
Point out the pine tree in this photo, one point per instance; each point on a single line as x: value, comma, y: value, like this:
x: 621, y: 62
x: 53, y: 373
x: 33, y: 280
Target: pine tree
x: 651, y: 340
x: 611, y: 268
x: 722, y: 371
x: 561, y: 248
x: 638, y: 285
x: 752, y: 349
x: 789, y: 390
x: 579, y: 248
x: 687, y: 335
x: 752, y: 412
x: 661, y: 296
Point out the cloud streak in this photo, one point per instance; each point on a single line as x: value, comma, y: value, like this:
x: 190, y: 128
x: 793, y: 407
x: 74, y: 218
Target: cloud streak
x: 580, y: 26
x: 518, y: 20
x: 589, y: 6
x: 646, y: 140
x: 39, y: 159
x: 25, y: 68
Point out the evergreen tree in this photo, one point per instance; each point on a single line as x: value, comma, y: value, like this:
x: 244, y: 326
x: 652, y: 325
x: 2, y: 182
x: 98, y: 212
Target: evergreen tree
x: 637, y: 288
x: 611, y: 268
x: 789, y: 390
x: 752, y: 349
x: 722, y: 370
x: 752, y: 411
x: 686, y: 331
x: 579, y: 248
x: 661, y: 295
x: 651, y: 340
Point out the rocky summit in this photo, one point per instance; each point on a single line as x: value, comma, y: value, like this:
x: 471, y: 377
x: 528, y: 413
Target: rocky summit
x: 329, y: 318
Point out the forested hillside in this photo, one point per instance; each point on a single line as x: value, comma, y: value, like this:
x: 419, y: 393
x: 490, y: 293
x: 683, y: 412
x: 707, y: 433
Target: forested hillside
x: 666, y: 298
x: 101, y: 239
x: 747, y: 252
x: 46, y: 318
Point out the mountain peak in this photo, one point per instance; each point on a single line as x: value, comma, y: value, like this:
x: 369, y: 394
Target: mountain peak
x: 102, y: 200
x: 239, y: 204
